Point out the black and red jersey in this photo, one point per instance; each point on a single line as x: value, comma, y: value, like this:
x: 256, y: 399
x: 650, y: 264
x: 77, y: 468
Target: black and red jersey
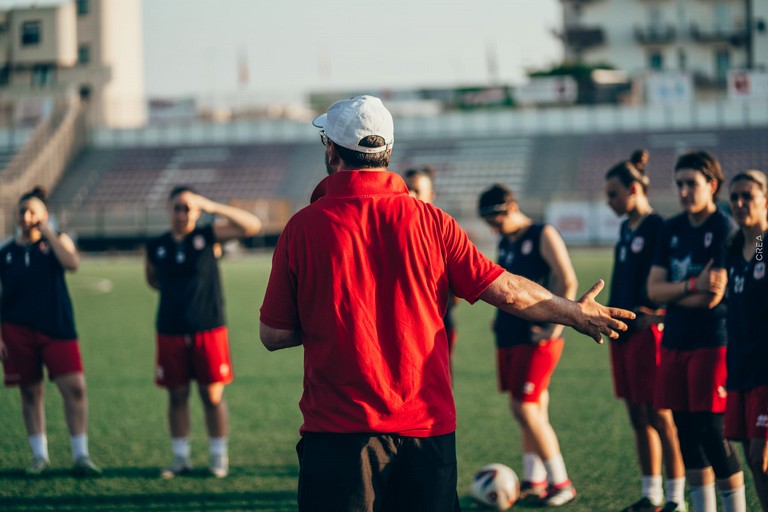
x: 632, y: 261
x: 34, y: 290
x: 187, y: 275
x: 683, y: 251
x: 747, y: 296
x: 522, y: 257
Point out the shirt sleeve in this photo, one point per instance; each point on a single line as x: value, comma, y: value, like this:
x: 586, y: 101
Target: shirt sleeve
x: 470, y: 272
x: 280, y: 307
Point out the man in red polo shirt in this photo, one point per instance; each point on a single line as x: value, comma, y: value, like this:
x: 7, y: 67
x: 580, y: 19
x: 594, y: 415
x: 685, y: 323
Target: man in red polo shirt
x: 360, y: 278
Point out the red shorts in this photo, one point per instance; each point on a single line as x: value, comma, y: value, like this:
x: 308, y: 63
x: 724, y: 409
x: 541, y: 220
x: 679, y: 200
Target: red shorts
x: 525, y: 370
x: 202, y: 356
x: 28, y: 350
x: 692, y: 380
x: 634, y: 364
x: 746, y: 416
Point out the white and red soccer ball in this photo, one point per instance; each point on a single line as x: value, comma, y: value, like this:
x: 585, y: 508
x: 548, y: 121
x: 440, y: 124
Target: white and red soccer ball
x: 496, y: 486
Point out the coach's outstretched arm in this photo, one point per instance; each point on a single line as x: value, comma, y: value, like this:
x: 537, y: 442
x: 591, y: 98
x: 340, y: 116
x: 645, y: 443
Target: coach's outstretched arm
x: 275, y: 339
x: 524, y: 298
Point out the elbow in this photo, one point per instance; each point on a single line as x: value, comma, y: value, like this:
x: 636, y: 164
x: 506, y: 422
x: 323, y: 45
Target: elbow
x: 252, y: 229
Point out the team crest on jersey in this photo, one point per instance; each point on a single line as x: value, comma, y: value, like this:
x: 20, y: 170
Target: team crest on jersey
x: 181, y: 257
x: 160, y: 252
x: 673, y: 241
x: 637, y: 244
x: 44, y: 248
x: 707, y: 239
x: 198, y: 242
x: 622, y: 254
x: 527, y: 247
x: 680, y: 268
x: 759, y: 272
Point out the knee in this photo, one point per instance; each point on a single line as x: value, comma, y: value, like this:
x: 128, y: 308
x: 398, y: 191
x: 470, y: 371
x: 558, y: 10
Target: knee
x: 212, y: 396
x: 178, y: 397
x: 31, y: 395
x: 526, y: 413
x: 638, y: 418
x: 663, y: 423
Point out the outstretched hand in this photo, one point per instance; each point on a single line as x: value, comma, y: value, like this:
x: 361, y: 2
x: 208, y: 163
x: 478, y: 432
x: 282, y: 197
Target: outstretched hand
x: 597, y: 319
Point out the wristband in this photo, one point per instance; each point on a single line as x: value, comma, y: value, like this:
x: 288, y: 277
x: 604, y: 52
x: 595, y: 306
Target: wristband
x: 692, y: 285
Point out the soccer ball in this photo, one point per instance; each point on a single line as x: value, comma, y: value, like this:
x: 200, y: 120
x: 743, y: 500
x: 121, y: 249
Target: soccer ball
x: 496, y: 486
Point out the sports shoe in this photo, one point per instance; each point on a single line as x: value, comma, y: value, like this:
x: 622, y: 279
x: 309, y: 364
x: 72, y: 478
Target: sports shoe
x: 179, y: 466
x: 532, y: 491
x: 559, y: 496
x: 671, y: 506
x: 219, y: 465
x: 39, y: 464
x: 84, y: 466
x: 642, y: 505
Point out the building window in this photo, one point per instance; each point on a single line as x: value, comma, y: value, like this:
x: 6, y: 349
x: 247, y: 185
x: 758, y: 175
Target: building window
x: 722, y: 65
x: 83, y: 54
x: 43, y: 75
x: 82, y: 7
x: 30, y: 33
x: 655, y: 61
x: 682, y: 59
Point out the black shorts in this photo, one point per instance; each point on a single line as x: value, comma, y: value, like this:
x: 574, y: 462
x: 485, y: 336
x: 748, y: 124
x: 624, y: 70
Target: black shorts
x: 377, y: 473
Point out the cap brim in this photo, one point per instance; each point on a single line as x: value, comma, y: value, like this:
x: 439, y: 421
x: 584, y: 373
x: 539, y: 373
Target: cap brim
x: 319, y: 121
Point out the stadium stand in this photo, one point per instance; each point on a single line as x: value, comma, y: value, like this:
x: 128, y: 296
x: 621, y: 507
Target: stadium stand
x: 121, y: 191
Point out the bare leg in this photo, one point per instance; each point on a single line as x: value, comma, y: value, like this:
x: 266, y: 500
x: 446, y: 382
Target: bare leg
x: 538, y: 435
x: 757, y: 455
x: 647, y: 441
x: 32, y: 409
x: 72, y: 389
x: 216, y: 411
x: 178, y: 411
x: 664, y: 424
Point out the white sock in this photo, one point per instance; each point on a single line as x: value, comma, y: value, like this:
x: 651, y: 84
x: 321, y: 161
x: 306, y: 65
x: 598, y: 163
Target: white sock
x: 676, y: 492
x: 556, y: 473
x: 39, y: 445
x: 218, y: 445
x: 533, y: 468
x: 180, y: 447
x: 703, y: 498
x: 652, y: 489
x: 733, y: 500
x: 79, y: 446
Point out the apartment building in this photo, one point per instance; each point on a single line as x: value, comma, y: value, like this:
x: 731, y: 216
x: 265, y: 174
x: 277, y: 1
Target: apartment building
x: 705, y: 40
x: 92, y: 48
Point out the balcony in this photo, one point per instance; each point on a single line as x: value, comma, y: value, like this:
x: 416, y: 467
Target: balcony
x: 655, y: 34
x: 580, y: 37
x: 735, y: 36
x: 707, y: 81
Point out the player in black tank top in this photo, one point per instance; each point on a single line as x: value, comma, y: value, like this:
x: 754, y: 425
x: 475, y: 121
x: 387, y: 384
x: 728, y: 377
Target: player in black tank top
x: 634, y: 354
x: 747, y: 356
x: 688, y: 275
x: 38, y: 326
x: 181, y: 264
x: 537, y: 252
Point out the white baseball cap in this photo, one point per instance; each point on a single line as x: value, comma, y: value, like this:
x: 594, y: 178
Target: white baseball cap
x: 348, y: 121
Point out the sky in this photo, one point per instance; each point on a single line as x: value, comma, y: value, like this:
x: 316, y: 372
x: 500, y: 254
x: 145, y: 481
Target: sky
x: 200, y: 47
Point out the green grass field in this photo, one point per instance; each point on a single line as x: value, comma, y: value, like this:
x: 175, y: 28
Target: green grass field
x: 128, y: 432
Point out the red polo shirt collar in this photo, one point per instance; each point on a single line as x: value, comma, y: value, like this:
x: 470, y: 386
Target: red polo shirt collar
x: 360, y: 183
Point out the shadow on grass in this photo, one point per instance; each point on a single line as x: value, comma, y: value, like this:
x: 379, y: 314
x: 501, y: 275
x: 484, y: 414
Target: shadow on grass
x: 274, y: 501
x: 153, y: 473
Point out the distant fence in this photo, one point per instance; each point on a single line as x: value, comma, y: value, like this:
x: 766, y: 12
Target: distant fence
x: 572, y: 120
